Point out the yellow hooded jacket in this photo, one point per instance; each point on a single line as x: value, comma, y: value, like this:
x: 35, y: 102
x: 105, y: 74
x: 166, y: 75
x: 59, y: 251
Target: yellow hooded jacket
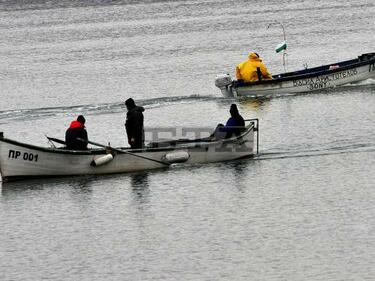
x: 247, y: 70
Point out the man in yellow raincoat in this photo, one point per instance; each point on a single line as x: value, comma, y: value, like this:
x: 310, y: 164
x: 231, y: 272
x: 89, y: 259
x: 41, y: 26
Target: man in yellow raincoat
x: 248, y: 70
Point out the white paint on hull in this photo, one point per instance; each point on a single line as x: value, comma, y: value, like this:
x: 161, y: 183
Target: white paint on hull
x: 317, y: 83
x: 23, y: 160
x: 315, y: 79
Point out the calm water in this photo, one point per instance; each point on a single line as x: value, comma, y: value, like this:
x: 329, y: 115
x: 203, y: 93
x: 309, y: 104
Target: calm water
x: 302, y: 210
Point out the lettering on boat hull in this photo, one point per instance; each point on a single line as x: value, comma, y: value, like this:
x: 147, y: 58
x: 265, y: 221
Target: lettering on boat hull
x: 323, y: 81
x: 15, y: 154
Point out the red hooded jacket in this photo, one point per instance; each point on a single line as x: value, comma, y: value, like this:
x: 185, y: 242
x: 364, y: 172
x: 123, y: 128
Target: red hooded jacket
x: 75, y: 132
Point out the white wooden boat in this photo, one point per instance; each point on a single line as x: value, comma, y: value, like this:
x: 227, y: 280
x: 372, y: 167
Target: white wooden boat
x: 20, y: 160
x: 307, y: 80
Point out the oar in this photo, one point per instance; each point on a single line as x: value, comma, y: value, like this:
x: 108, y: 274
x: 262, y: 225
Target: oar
x: 51, y: 142
x: 56, y: 140
x: 124, y: 151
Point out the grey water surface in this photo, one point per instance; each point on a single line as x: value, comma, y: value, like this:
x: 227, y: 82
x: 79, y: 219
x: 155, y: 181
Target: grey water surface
x: 303, y: 209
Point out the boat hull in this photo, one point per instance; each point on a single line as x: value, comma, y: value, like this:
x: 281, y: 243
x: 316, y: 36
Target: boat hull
x: 19, y: 160
x: 308, y: 80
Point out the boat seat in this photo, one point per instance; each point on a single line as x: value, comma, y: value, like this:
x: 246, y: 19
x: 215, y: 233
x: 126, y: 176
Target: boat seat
x: 170, y: 143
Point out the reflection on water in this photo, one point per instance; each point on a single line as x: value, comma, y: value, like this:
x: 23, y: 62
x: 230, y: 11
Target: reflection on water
x: 140, y: 187
x: 13, y: 187
x: 79, y: 184
x: 82, y: 184
x: 239, y: 170
x: 254, y: 104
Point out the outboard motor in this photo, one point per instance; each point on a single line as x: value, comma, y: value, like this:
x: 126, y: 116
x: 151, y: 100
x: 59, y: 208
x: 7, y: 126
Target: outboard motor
x: 223, y: 81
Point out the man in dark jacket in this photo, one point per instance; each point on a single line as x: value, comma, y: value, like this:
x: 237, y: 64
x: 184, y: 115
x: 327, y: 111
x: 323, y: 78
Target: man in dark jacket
x: 235, y: 125
x: 75, y: 132
x: 134, y: 124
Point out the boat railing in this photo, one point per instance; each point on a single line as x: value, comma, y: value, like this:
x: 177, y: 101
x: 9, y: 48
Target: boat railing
x: 255, y: 123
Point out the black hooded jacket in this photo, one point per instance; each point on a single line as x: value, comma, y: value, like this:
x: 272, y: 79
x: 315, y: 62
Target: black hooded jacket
x: 134, y: 126
x: 75, y: 132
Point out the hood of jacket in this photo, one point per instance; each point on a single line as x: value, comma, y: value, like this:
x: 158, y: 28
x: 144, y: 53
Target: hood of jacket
x: 138, y: 108
x: 75, y: 125
x: 254, y: 57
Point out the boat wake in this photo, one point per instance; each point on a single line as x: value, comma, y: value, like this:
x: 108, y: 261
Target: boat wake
x: 366, y: 82
x: 325, y: 151
x: 97, y: 109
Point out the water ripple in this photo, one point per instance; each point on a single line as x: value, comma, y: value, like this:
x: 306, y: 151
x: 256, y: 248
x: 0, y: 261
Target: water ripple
x: 103, y: 108
x: 313, y: 152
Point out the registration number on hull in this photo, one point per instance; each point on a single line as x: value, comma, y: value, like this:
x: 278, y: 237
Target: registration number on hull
x: 26, y: 156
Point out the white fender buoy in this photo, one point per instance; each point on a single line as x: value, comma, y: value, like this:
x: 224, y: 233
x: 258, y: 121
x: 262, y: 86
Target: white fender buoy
x: 101, y: 160
x: 176, y: 157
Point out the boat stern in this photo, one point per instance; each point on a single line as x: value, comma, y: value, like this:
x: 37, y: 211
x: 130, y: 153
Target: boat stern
x: 1, y: 173
x: 223, y: 82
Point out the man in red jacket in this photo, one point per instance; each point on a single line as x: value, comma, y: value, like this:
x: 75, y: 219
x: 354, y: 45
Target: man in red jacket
x: 75, y: 132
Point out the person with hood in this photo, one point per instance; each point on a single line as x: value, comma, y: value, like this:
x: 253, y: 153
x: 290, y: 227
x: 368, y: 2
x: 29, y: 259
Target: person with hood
x: 75, y: 132
x: 134, y: 124
x: 235, y: 125
x: 252, y: 70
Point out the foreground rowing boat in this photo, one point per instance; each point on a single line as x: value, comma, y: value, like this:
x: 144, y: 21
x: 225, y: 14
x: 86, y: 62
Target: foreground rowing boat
x: 20, y: 160
x: 307, y: 80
